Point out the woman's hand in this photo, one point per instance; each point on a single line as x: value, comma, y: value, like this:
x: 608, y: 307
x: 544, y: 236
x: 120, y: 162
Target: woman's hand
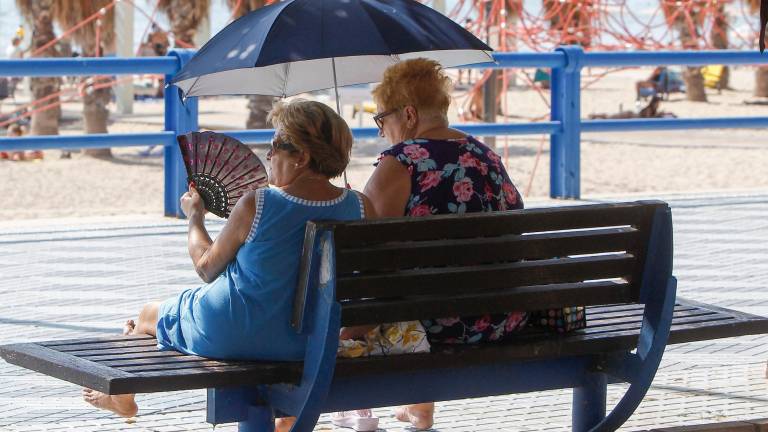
x: 192, y: 203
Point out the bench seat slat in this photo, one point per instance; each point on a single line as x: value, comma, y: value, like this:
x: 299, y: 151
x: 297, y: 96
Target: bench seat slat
x: 160, y: 381
x: 459, y: 280
x: 679, y: 315
x: 610, y: 328
x: 62, y: 365
x: 595, y: 315
x: 410, y: 254
x: 143, y: 348
x: 158, y: 356
x: 117, y: 340
x: 197, y: 367
x: 178, y: 358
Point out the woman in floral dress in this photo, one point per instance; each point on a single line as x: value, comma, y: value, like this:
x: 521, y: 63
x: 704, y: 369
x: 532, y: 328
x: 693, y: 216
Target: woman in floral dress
x: 434, y: 169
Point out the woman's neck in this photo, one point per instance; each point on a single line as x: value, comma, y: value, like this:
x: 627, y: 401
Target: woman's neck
x: 312, y: 187
x: 438, y: 130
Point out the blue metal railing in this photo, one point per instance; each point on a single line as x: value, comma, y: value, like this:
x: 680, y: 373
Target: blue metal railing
x: 565, y: 125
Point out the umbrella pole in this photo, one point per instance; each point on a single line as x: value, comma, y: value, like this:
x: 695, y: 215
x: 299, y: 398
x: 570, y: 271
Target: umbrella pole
x: 338, y: 108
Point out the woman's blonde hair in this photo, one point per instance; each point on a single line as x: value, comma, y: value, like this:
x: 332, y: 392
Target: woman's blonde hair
x: 315, y: 128
x: 419, y: 82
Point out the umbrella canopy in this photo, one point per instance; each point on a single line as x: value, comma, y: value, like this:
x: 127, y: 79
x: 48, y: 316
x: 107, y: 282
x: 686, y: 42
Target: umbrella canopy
x: 297, y: 46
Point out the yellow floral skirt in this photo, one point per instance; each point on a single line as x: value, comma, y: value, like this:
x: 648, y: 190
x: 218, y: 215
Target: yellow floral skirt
x: 387, y: 339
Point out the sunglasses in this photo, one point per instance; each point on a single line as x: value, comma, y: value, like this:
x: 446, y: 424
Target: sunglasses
x: 276, y: 145
x: 378, y: 117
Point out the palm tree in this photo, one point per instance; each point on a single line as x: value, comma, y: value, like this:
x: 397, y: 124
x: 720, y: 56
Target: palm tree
x: 688, y: 21
x: 185, y: 17
x: 69, y: 13
x: 258, y: 106
x: 761, y: 75
x: 718, y: 35
x: 40, y: 14
x: 572, y: 19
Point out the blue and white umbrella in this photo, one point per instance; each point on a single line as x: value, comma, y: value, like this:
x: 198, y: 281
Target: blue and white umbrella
x: 297, y: 46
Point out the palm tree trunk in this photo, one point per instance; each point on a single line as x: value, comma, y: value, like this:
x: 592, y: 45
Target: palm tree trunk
x: 258, y: 105
x: 719, y: 37
x: 258, y: 108
x: 44, y: 122
x: 761, y: 81
x: 694, y: 81
x: 185, y: 17
x: 95, y: 111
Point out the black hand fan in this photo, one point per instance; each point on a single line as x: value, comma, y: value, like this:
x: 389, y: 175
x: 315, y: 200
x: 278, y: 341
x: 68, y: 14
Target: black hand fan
x: 222, y: 169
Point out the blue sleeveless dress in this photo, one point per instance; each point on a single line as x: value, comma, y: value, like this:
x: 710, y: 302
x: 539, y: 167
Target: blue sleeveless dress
x: 245, y: 313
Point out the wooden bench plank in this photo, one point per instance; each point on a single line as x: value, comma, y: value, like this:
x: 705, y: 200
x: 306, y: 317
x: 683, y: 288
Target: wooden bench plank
x: 610, y: 328
x: 62, y: 366
x: 356, y: 234
x: 116, y: 340
x: 357, y: 312
x: 457, y: 280
x: 410, y: 254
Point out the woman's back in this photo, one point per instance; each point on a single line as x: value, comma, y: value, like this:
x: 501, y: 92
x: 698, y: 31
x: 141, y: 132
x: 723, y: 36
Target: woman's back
x: 459, y: 176
x: 454, y: 176
x: 245, y: 313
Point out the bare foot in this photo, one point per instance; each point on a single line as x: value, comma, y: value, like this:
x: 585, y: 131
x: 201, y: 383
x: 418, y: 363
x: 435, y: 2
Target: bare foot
x: 421, y: 416
x: 122, y: 405
x: 129, y: 328
x: 284, y: 424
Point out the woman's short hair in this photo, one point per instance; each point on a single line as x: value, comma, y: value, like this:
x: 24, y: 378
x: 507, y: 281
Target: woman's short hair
x: 314, y: 127
x: 419, y: 82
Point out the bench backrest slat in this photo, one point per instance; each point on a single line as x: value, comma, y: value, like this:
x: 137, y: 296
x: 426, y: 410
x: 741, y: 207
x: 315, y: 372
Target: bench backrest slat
x: 461, y: 265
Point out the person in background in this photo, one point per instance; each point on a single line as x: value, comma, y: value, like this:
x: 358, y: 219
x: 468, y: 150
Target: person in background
x: 14, y: 52
x: 17, y: 130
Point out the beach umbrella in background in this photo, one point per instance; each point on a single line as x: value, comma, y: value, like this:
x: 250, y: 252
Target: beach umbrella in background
x: 297, y: 46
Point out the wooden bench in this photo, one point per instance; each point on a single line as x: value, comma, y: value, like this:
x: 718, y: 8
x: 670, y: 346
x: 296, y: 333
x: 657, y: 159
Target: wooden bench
x: 615, y: 259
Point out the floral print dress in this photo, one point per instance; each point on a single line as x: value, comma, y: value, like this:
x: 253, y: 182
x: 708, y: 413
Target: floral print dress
x: 459, y: 176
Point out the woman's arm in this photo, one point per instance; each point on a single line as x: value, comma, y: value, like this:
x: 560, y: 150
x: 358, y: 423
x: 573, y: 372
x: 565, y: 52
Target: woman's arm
x: 389, y: 188
x: 209, y: 257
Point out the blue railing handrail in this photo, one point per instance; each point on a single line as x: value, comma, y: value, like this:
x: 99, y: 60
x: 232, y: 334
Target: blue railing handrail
x: 46, y: 142
x: 565, y: 126
x: 616, y: 125
x: 81, y: 66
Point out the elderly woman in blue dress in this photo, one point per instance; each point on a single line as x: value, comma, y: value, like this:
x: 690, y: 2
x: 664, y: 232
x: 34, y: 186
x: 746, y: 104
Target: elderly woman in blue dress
x: 251, y: 268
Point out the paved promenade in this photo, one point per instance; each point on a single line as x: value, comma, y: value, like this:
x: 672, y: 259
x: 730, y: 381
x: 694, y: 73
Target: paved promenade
x: 84, y: 278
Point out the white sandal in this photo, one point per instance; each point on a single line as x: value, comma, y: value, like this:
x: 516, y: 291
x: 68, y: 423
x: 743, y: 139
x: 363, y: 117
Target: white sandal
x: 360, y: 420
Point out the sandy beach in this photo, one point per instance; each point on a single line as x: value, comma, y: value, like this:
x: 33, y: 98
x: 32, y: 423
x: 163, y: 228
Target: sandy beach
x: 612, y: 163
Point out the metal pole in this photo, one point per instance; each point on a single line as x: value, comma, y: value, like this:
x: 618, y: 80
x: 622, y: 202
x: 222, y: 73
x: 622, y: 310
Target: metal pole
x: 338, y: 106
x: 180, y: 117
x: 565, y: 163
x: 124, y: 44
x: 489, y: 87
x: 588, y: 407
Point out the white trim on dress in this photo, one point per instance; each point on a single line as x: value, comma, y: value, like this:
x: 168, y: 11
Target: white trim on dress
x: 302, y: 201
x: 259, y: 197
x: 362, y: 204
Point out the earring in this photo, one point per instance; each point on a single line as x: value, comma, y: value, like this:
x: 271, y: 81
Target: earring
x: 296, y: 165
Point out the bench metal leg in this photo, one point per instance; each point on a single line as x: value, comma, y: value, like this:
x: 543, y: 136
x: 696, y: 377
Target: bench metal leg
x: 260, y: 419
x: 589, y: 402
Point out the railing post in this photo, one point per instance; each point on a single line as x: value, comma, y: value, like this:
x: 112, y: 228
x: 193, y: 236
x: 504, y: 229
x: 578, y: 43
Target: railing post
x: 565, y: 164
x: 180, y: 118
